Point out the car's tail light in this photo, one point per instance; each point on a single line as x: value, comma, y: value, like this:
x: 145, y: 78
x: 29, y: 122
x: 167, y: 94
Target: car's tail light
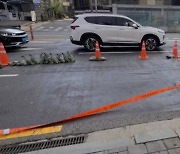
x: 74, y: 27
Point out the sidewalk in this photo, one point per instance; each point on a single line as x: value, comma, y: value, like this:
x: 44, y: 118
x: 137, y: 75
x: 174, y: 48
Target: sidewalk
x: 24, y: 24
x: 160, y: 137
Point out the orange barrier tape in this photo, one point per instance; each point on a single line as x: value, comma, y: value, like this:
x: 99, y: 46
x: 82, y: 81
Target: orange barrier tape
x: 120, y: 103
x: 96, y: 110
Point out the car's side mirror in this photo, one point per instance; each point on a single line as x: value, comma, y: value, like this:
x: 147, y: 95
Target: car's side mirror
x: 135, y: 26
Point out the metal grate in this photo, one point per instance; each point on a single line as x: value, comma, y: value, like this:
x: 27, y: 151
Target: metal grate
x: 20, y: 148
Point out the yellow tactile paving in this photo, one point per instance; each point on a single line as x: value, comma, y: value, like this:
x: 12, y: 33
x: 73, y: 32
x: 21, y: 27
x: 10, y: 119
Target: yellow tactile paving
x: 33, y: 132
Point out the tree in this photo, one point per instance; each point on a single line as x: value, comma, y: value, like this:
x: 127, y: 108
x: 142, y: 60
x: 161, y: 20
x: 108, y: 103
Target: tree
x: 55, y: 9
x: 58, y: 9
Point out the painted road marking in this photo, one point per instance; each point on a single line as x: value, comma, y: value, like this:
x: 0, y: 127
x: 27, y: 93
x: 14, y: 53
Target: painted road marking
x: 46, y: 30
x: 51, y: 27
x: 175, y: 38
x: 33, y: 132
x: 170, y: 40
x: 39, y: 28
x: 57, y: 29
x: 89, y: 53
x: 9, y: 75
x: 163, y: 51
x: 66, y: 30
x: 27, y: 49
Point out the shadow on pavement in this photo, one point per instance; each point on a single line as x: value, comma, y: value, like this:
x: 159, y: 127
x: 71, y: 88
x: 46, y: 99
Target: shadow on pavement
x: 115, y: 49
x: 14, y: 49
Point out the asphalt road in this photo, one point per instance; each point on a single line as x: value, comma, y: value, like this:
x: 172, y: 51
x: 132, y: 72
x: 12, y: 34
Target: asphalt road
x: 53, y: 31
x: 47, y: 93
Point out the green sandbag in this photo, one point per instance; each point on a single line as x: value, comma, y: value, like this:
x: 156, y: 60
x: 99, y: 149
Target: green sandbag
x: 33, y: 59
x: 66, y: 57
x: 49, y: 59
x: 54, y: 59
x: 71, y: 57
x: 22, y: 63
x: 42, y: 58
x: 60, y: 58
x: 14, y: 63
x: 28, y: 61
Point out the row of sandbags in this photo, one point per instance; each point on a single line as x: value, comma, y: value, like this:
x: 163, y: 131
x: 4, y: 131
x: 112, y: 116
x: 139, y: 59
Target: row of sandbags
x: 45, y: 59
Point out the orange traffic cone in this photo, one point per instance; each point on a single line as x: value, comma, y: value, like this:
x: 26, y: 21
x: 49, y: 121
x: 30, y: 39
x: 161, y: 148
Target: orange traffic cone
x: 4, y: 60
x: 143, y: 54
x: 97, y: 55
x: 175, y: 50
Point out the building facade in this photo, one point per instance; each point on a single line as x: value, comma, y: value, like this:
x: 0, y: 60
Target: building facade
x: 164, y: 14
x: 16, y: 9
x: 148, y: 2
x: 86, y: 4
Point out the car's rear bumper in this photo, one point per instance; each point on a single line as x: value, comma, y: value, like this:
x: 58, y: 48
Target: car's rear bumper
x: 75, y: 42
x: 163, y: 43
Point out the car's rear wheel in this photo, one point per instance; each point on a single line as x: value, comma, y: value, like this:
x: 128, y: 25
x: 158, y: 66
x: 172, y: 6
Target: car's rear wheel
x: 151, y: 43
x: 90, y: 42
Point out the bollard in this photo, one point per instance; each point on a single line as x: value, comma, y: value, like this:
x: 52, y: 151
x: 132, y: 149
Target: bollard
x: 31, y: 31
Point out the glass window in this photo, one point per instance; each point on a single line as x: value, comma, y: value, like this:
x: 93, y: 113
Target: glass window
x: 102, y: 20
x: 92, y: 20
x: 124, y: 22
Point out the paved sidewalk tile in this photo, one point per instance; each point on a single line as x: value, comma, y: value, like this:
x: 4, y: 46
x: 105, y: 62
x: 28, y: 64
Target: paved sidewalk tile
x: 162, y: 152
x: 124, y: 152
x: 121, y: 149
x: 155, y: 146
x: 177, y: 150
x: 154, y: 135
x: 137, y: 149
x: 178, y: 132
x: 172, y: 143
x: 99, y: 152
x: 174, y: 151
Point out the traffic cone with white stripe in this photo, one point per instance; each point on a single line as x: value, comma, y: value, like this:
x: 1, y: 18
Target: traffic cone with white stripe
x: 97, y: 55
x: 143, y: 54
x: 4, y: 60
x: 175, y: 50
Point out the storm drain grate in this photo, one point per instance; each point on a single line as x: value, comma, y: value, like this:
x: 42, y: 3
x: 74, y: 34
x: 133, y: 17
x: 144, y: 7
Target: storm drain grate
x: 42, y: 145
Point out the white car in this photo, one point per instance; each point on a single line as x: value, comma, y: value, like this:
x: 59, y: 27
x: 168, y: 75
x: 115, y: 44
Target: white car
x: 113, y: 30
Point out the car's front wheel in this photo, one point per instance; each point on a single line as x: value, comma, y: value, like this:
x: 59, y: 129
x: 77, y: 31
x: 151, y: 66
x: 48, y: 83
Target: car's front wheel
x: 90, y: 43
x: 151, y: 43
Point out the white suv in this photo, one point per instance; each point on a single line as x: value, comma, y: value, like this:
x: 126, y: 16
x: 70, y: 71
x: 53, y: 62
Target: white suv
x: 113, y: 30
